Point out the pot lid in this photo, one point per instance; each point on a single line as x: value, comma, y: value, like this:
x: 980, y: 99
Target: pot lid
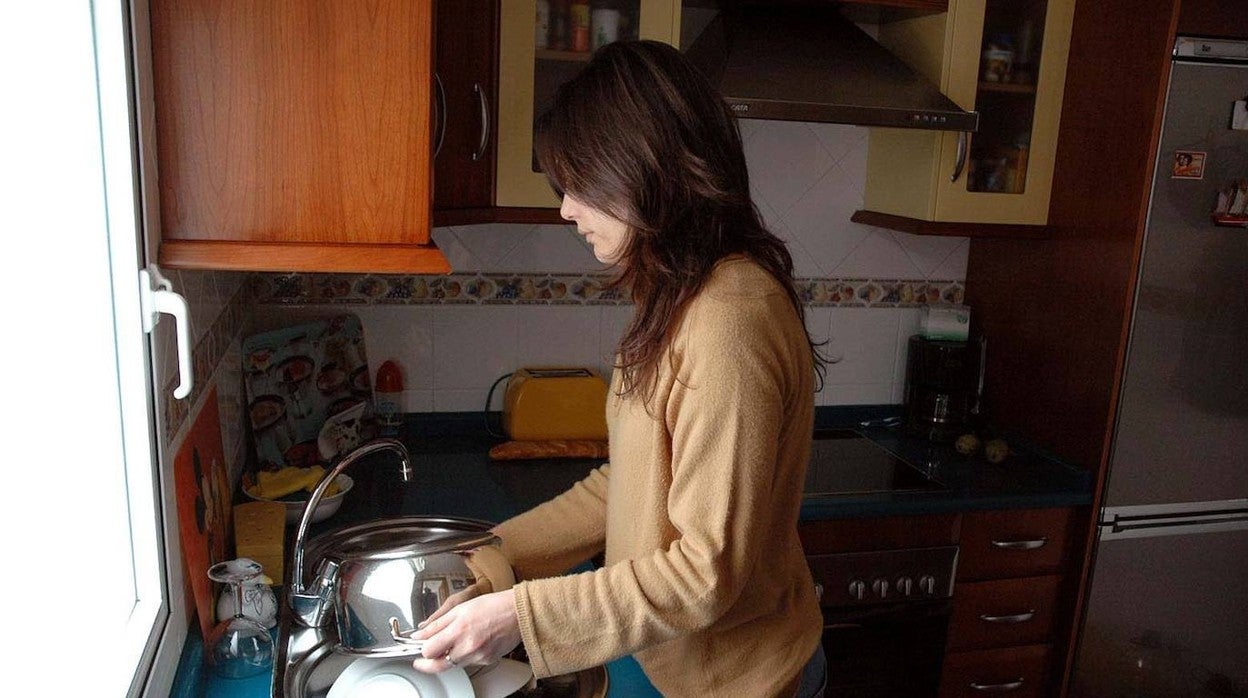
x: 402, y: 537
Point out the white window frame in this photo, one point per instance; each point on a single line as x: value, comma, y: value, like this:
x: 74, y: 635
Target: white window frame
x: 69, y: 66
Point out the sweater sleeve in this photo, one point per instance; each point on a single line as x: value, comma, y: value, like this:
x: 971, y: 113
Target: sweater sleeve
x: 555, y: 536
x: 724, y: 416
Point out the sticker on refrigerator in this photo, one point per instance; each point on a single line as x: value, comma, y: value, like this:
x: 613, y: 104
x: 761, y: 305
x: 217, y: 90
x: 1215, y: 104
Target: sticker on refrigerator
x: 1239, y: 115
x: 1188, y: 164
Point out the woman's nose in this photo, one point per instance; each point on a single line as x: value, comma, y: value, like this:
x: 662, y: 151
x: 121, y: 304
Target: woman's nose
x: 568, y: 208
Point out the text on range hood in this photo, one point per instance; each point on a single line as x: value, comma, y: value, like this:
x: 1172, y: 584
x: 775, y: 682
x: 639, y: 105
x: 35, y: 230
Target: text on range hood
x: 812, y: 64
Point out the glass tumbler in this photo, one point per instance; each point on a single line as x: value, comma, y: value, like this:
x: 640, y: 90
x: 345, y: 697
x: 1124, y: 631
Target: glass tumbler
x: 237, y: 647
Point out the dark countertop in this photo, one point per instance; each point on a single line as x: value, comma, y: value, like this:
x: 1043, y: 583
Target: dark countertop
x: 454, y: 476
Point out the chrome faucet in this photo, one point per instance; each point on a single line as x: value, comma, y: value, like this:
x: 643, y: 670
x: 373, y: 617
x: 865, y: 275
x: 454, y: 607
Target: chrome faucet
x: 310, y: 604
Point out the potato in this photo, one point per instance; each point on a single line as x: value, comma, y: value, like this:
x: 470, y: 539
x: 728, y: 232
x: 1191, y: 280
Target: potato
x: 967, y: 444
x: 996, y: 450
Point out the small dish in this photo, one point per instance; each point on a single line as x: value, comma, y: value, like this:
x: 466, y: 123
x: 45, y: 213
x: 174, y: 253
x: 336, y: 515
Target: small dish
x: 394, y: 677
x: 502, y: 679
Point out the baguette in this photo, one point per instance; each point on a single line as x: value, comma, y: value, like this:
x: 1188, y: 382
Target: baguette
x: 561, y: 448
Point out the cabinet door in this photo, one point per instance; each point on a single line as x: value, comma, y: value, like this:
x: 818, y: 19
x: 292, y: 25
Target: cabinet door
x: 293, y: 134
x: 465, y: 94
x: 1007, y: 61
x: 533, y: 64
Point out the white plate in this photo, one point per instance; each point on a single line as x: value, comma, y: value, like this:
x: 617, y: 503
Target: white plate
x: 394, y: 677
x: 502, y: 679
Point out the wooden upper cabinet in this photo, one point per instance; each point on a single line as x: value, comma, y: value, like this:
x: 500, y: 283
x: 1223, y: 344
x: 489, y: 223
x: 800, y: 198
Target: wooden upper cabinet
x: 465, y: 103
x: 1005, y: 59
x: 294, y: 136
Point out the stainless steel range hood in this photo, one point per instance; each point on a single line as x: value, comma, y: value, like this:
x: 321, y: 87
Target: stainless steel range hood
x: 812, y: 64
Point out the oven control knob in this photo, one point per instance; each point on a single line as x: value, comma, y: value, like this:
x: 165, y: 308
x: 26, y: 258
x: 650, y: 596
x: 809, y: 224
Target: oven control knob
x: 927, y: 584
x: 857, y: 590
x: 880, y: 587
x: 905, y: 586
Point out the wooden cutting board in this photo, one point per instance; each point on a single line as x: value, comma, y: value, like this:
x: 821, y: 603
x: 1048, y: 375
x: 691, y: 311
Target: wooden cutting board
x: 202, y: 491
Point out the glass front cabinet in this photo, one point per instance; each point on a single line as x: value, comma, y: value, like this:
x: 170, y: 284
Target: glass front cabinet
x: 1005, y: 59
x: 542, y: 44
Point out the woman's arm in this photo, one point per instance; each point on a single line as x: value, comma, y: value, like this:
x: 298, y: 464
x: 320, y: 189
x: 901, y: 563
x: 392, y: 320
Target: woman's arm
x: 555, y: 536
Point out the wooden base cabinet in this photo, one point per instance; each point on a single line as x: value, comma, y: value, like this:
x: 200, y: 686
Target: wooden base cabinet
x: 294, y: 136
x: 1007, y: 601
x: 1005, y: 60
x: 1017, y: 672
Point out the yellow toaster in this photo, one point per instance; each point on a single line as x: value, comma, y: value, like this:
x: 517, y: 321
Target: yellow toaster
x: 542, y: 404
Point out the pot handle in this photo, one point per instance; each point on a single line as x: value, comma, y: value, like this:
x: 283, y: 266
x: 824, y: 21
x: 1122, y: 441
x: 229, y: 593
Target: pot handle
x: 402, y: 639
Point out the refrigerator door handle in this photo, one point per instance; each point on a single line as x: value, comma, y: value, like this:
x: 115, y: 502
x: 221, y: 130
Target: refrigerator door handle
x: 1174, y: 519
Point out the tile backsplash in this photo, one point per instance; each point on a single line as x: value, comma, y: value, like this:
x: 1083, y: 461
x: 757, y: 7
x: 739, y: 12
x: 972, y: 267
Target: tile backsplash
x: 531, y: 294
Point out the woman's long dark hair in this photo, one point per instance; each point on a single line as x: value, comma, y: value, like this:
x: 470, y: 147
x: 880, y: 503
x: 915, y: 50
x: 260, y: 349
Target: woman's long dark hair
x: 641, y: 135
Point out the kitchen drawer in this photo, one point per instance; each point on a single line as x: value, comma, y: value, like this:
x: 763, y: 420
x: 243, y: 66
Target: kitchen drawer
x: 1016, y: 672
x: 1013, y: 543
x: 1002, y: 613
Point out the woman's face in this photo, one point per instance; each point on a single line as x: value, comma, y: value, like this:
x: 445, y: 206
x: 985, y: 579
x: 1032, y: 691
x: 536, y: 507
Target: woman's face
x: 607, y: 235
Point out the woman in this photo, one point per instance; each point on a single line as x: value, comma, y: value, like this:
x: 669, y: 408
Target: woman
x: 710, y: 414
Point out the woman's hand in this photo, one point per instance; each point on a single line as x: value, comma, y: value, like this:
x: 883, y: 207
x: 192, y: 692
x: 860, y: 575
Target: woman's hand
x: 477, y: 630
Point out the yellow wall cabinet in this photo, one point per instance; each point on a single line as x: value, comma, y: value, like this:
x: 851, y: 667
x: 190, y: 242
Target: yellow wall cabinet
x: 542, y: 44
x: 1005, y: 59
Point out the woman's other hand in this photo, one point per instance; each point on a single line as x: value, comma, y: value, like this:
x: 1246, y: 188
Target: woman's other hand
x: 471, y: 631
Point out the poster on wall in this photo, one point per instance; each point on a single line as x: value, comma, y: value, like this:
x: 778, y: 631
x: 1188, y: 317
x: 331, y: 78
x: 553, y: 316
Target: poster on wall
x: 202, y: 492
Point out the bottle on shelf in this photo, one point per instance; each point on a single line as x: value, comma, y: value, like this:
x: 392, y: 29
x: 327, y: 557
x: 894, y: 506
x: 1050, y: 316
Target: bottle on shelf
x: 541, y: 35
x: 604, y: 25
x: 559, y: 35
x: 579, y: 25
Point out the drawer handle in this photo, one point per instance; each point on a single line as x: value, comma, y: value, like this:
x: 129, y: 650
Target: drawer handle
x: 998, y: 687
x: 1020, y: 544
x: 1013, y: 618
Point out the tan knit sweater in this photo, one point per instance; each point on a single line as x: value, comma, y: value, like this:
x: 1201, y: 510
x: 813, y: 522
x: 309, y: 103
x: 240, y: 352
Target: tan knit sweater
x: 705, y: 581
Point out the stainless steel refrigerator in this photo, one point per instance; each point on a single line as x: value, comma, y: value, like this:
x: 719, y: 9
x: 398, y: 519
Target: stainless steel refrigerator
x: 1167, y: 613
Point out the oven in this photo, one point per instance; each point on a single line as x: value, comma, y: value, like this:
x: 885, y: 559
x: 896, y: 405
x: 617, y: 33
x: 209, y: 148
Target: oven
x: 886, y: 615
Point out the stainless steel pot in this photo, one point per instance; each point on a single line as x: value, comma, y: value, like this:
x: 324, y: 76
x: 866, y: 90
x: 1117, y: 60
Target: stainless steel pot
x: 379, y: 579
x: 387, y: 576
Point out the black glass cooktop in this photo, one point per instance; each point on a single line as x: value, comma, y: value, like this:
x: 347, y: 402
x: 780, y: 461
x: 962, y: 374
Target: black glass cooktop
x: 846, y: 462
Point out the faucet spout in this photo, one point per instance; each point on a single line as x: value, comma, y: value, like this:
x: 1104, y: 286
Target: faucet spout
x: 310, y: 605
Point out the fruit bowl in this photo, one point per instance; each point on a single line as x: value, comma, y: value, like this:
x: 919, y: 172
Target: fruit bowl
x: 296, y: 501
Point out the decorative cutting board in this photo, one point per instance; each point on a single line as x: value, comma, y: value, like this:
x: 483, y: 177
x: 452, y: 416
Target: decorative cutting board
x: 297, y: 378
x: 202, y: 491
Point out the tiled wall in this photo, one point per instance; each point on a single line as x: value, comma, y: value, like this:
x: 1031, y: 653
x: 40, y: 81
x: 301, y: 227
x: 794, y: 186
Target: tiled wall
x: 455, y: 335
x: 219, y: 303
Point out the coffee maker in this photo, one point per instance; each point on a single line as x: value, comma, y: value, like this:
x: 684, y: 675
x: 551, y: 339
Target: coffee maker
x: 944, y: 386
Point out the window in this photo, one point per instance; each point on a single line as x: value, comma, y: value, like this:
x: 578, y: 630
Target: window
x: 86, y: 598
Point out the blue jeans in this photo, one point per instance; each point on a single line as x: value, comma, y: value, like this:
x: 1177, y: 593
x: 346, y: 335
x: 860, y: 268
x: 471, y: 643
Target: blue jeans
x: 814, y: 676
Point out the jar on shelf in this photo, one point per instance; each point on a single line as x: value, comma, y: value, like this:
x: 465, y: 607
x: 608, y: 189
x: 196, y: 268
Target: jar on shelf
x: 998, y: 59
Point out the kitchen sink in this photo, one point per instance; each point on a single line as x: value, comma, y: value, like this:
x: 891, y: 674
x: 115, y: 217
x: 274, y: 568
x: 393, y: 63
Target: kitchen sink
x: 306, y: 667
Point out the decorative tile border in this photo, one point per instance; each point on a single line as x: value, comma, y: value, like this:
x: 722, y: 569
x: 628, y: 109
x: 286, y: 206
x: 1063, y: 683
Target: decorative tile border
x: 562, y: 289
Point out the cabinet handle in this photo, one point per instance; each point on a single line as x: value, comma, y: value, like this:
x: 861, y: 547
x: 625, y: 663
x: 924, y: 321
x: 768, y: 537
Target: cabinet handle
x: 1012, y: 618
x: 998, y: 687
x: 437, y: 81
x: 485, y: 122
x: 960, y: 161
x: 1020, y: 544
